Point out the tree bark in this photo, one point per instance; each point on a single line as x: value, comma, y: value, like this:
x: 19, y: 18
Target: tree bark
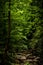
x: 5, y: 55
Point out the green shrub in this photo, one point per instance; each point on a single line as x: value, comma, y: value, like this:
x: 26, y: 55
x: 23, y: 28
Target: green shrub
x: 27, y: 63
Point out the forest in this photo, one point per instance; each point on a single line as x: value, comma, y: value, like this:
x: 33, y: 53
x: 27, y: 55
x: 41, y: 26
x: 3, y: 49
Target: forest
x: 21, y: 32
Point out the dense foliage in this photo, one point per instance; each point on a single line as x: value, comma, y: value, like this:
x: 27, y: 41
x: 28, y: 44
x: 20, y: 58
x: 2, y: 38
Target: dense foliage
x: 26, y: 28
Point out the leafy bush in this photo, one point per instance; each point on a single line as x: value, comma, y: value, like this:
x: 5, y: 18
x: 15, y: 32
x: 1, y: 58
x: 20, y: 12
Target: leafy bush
x: 27, y: 63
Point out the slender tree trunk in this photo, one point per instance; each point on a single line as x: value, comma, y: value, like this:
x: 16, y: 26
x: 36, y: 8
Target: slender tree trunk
x: 5, y: 55
x: 9, y: 30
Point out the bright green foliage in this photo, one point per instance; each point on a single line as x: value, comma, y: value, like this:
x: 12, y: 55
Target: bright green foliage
x: 25, y: 19
x: 19, y: 24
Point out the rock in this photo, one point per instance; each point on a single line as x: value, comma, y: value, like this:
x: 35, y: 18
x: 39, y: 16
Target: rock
x: 23, y: 58
x: 37, y: 58
x: 18, y: 56
x: 31, y: 57
x: 29, y: 60
x: 27, y: 56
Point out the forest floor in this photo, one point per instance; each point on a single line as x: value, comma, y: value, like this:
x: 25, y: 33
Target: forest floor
x: 26, y: 58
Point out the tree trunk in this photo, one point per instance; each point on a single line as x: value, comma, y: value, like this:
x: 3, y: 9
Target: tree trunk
x: 5, y: 55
